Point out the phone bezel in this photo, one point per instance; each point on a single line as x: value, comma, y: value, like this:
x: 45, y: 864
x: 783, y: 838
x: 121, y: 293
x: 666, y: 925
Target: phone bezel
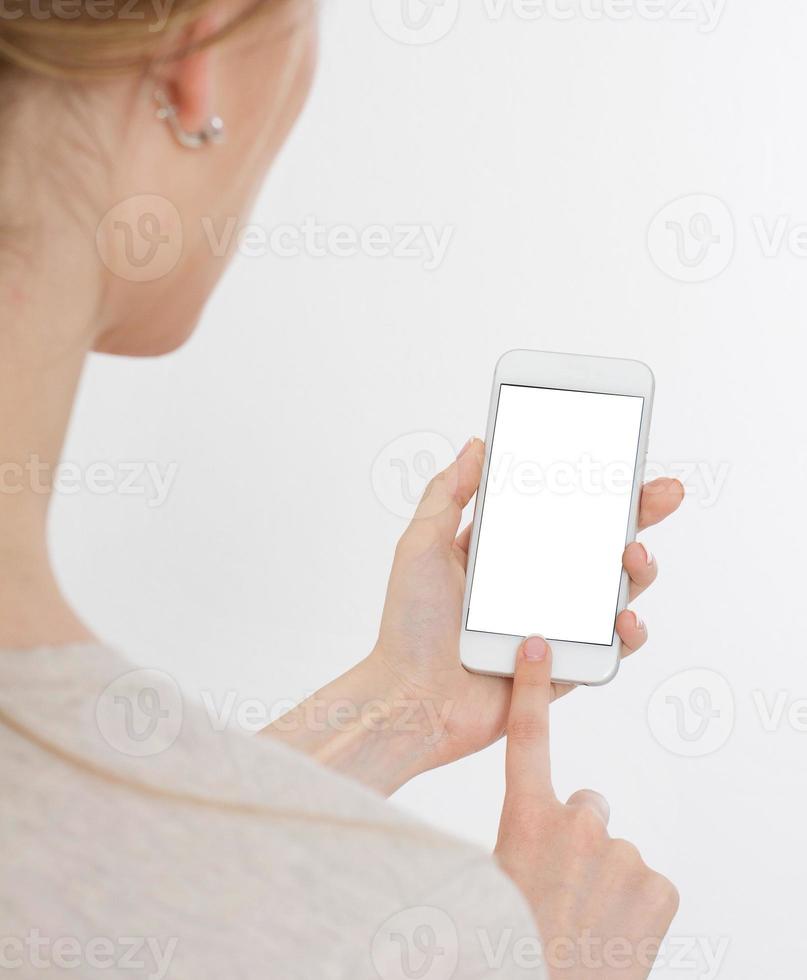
x: 573, y: 663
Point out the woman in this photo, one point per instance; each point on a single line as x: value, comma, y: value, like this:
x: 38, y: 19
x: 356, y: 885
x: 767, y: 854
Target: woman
x: 179, y: 851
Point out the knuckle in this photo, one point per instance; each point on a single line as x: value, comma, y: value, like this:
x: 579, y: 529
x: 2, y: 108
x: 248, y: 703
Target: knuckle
x: 533, y: 678
x: 586, y: 826
x: 526, y: 730
x: 405, y: 549
x: 406, y: 540
x: 432, y: 486
x: 662, y: 893
x: 627, y: 855
x: 436, y: 485
x: 418, y: 540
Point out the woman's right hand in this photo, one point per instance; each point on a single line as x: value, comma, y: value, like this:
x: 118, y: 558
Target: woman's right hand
x: 601, y: 912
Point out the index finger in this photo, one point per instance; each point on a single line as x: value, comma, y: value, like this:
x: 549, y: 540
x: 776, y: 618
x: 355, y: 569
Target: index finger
x: 527, y: 763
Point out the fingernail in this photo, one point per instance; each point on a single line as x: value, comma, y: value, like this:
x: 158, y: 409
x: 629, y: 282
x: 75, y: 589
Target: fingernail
x: 639, y: 622
x: 535, y: 648
x: 648, y: 554
x: 466, y: 447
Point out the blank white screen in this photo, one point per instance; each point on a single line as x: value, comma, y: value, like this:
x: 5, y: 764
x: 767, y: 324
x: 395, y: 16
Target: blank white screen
x: 555, y: 514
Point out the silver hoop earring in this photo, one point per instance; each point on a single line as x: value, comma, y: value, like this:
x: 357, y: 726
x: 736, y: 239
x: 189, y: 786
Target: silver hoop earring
x: 213, y: 131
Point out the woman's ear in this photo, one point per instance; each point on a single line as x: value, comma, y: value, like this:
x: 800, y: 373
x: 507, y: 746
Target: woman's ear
x: 189, y: 80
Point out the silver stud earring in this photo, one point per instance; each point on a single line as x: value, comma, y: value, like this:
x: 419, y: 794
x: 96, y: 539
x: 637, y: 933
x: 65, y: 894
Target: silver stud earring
x: 213, y: 131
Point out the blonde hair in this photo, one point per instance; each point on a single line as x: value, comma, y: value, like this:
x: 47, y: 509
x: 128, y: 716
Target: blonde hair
x: 86, y: 38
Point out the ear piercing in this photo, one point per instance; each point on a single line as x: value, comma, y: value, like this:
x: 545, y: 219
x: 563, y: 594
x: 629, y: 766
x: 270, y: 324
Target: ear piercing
x: 213, y: 131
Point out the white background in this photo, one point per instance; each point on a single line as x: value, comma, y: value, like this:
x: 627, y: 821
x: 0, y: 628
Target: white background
x: 549, y: 147
x: 549, y: 558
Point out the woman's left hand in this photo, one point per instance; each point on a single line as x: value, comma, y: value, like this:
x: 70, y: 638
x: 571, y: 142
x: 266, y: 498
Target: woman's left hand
x: 411, y: 705
x: 458, y: 712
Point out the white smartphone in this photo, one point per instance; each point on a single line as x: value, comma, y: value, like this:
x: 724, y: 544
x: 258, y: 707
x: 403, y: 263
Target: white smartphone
x: 567, y: 439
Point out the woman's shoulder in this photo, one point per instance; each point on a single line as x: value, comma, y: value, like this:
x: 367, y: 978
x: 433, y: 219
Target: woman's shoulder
x: 136, y: 797
x: 94, y: 712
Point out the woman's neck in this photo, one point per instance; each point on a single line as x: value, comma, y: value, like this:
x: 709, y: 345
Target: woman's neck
x: 45, y: 311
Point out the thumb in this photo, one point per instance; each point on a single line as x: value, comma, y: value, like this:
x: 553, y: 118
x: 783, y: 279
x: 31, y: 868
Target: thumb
x: 439, y: 512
